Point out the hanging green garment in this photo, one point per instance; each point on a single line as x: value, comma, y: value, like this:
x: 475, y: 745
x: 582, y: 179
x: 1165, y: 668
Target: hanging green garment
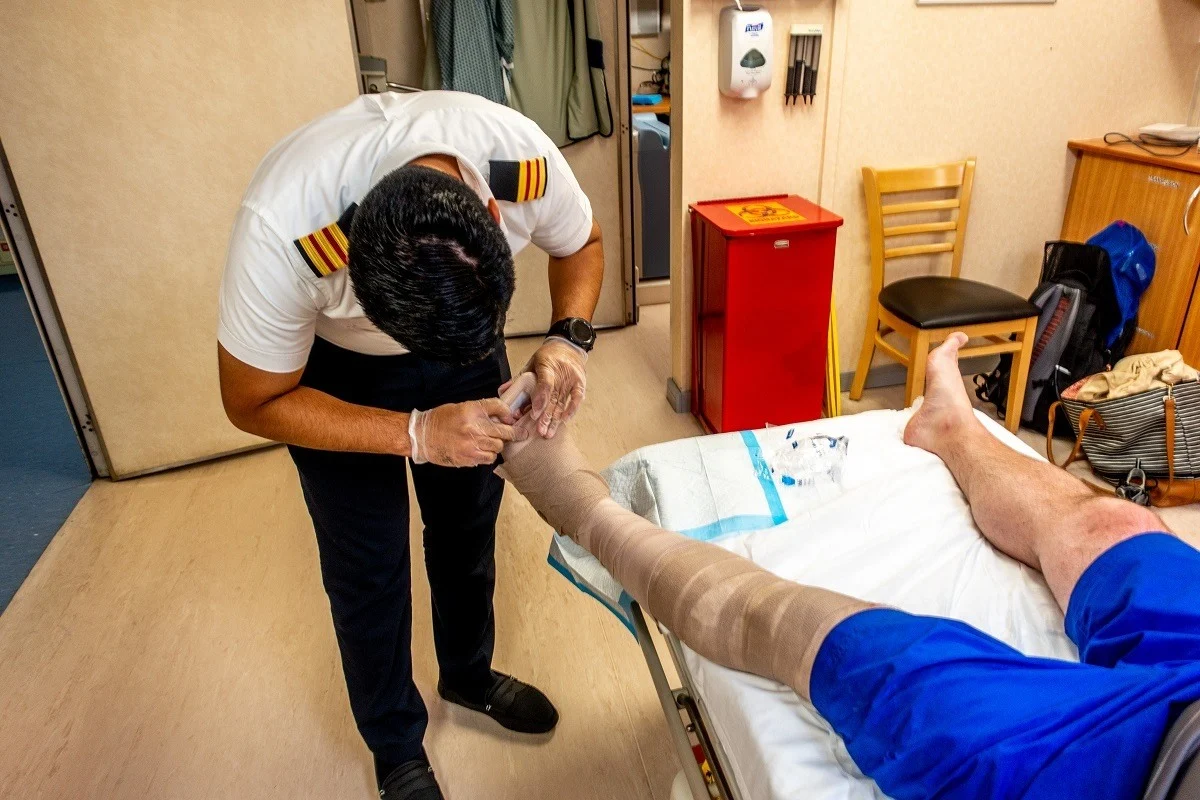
x: 473, y: 40
x: 558, y: 76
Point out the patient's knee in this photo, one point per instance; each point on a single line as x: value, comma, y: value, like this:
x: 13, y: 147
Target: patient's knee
x: 1106, y: 521
x: 1095, y: 525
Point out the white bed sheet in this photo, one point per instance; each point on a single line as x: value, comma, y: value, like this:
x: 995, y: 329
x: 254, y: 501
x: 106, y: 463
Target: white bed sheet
x: 899, y: 533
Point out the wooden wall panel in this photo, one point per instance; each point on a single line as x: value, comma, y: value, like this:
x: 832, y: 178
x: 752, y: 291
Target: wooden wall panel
x: 132, y: 128
x: 1154, y: 199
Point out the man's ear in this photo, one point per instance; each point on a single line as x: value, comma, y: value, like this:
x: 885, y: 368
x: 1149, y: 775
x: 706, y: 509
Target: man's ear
x: 494, y: 210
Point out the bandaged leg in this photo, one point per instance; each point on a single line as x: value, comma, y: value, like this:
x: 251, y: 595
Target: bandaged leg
x: 723, y: 606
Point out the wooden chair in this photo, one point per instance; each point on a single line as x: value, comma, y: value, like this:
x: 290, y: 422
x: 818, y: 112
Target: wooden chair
x: 926, y: 310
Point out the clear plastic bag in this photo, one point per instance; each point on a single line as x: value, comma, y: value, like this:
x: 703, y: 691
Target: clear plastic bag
x: 803, y: 462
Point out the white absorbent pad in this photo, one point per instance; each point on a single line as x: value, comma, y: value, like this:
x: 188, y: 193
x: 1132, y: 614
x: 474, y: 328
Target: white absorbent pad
x: 708, y: 488
x: 897, y: 531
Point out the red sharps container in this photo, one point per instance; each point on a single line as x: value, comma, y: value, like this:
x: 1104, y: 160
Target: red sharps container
x: 763, y: 272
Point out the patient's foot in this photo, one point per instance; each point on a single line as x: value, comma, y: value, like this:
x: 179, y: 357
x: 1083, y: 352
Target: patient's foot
x: 945, y: 407
x: 556, y: 479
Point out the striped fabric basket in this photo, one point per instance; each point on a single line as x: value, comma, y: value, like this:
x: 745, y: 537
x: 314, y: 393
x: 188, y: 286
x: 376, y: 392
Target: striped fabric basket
x: 1159, y: 428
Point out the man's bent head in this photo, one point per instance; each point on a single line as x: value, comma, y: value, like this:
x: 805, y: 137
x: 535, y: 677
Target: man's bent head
x: 431, y: 267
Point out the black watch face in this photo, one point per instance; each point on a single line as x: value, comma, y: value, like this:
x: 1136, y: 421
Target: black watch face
x: 581, y: 332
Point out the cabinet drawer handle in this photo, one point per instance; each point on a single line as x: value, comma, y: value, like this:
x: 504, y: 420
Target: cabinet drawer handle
x: 1187, y: 212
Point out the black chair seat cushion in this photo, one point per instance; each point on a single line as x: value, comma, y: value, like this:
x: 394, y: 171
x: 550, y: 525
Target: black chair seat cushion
x: 935, y: 301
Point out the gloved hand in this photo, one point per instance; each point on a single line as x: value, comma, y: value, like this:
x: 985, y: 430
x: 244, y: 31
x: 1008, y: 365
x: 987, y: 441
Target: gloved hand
x: 460, y: 434
x: 559, y: 367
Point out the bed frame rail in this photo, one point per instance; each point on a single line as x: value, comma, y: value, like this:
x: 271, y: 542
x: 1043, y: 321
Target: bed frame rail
x: 681, y: 703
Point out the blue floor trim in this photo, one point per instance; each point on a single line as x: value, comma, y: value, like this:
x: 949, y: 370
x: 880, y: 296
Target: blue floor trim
x: 43, y: 471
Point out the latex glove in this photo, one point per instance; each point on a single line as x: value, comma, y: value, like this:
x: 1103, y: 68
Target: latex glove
x: 460, y: 434
x: 559, y: 367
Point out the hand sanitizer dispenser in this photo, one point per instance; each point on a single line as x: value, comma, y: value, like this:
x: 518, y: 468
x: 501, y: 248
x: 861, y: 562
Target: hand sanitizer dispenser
x: 744, y: 53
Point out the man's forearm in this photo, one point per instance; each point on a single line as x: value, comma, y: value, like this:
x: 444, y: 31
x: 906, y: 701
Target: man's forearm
x: 314, y: 419
x: 575, y: 280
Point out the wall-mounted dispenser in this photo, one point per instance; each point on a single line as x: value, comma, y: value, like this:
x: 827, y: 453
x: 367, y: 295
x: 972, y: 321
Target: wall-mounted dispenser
x: 744, y: 58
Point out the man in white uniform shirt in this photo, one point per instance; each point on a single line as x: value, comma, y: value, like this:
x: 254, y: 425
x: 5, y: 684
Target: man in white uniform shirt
x: 361, y: 322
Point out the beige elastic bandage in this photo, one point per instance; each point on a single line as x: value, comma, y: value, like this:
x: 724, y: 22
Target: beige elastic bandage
x: 724, y: 607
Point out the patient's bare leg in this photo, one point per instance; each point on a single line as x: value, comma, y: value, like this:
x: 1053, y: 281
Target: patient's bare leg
x: 723, y: 606
x: 1030, y: 509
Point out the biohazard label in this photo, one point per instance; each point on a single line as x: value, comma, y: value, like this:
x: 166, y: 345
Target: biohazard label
x: 766, y: 212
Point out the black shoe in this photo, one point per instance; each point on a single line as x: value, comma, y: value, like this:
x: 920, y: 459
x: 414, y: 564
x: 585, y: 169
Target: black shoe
x: 412, y: 780
x: 515, y: 705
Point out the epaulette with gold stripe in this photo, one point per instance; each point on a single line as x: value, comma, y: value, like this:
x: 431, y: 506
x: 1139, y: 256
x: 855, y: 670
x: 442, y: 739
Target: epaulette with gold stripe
x: 328, y: 250
x: 519, y: 181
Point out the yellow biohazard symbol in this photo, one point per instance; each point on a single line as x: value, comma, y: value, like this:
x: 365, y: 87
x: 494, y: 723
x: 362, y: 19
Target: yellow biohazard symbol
x: 765, y: 212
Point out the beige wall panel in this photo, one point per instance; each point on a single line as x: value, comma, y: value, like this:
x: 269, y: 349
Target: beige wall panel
x: 132, y: 129
x: 1009, y: 84
x: 733, y: 147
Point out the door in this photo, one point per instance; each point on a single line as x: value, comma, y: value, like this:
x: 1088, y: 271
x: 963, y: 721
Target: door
x: 131, y: 131
x: 1154, y: 199
x: 603, y: 168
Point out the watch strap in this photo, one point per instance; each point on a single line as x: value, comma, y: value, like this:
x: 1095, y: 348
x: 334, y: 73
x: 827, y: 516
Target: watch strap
x: 568, y: 342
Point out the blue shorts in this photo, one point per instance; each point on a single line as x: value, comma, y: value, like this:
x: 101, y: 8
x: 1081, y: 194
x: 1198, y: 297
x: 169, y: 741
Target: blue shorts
x: 933, y: 708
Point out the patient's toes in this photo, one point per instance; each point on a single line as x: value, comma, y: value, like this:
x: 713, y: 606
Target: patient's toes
x: 945, y: 404
x: 943, y: 380
x: 945, y: 356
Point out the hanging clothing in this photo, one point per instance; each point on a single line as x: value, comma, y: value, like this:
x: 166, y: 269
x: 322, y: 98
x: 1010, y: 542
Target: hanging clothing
x: 558, y: 77
x: 474, y: 42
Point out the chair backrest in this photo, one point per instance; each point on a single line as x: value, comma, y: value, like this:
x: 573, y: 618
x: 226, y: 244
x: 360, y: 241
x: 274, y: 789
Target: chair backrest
x: 878, y: 183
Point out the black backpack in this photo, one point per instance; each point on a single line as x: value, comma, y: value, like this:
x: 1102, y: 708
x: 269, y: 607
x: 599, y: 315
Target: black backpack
x: 1078, y: 309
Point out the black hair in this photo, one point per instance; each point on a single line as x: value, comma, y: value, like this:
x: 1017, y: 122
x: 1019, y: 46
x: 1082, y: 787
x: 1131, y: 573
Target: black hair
x: 430, y: 266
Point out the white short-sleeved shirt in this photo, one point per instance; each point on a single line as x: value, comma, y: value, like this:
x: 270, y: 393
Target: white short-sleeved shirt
x: 273, y: 303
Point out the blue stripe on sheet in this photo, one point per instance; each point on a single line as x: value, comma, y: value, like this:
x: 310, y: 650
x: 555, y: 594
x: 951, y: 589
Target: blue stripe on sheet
x: 763, y: 472
x: 727, y: 526
x: 622, y: 612
x: 742, y: 523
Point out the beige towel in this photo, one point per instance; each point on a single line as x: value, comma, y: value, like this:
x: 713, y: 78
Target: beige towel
x: 1136, y: 374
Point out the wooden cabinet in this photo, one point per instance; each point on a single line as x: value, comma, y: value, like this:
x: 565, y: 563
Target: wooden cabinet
x: 1158, y: 195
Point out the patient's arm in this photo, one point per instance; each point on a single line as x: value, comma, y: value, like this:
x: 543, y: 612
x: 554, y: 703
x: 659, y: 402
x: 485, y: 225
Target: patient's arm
x: 723, y: 606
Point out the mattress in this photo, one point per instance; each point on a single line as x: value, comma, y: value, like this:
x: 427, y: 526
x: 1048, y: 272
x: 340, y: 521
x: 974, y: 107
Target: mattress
x: 897, y: 531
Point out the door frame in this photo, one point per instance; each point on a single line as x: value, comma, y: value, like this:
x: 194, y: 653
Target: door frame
x: 625, y: 164
x: 49, y: 323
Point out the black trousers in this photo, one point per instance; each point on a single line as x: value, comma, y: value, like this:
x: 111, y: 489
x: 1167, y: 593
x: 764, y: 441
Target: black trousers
x: 359, y: 508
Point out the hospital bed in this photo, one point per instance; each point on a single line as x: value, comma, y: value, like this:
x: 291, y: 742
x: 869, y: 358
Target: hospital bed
x: 897, y: 531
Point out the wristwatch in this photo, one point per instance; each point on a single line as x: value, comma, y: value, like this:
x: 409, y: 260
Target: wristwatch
x: 576, y: 330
